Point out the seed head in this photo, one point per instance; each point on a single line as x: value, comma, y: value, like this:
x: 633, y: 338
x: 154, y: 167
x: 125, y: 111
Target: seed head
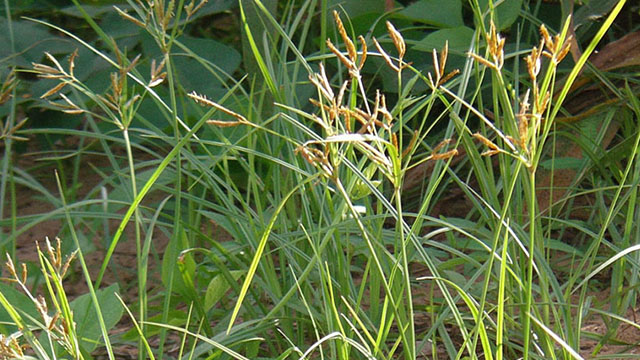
x: 397, y: 39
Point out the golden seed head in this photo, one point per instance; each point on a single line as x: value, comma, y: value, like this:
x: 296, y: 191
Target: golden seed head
x: 544, y: 33
x: 443, y: 156
x: 202, y: 100
x: 128, y: 17
x: 436, y: 65
x: 542, y: 103
x: 385, y: 56
x: 53, y: 90
x: 363, y: 57
x: 412, y: 143
x: 448, y: 77
x: 72, y: 59
x: 191, y: 8
x: 565, y: 50
x: 496, y: 46
x: 443, y: 56
x: 351, y: 49
x: 397, y: 39
x: 347, y: 62
x: 523, y: 118
x: 483, y: 61
x: 534, y: 63
x: 488, y: 143
x: 442, y: 144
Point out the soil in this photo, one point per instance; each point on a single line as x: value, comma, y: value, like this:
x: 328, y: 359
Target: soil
x: 124, y: 273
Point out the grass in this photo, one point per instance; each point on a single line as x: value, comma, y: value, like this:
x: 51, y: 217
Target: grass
x: 300, y: 166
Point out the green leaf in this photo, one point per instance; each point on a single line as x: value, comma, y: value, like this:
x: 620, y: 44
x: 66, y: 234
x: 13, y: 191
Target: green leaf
x: 506, y: 12
x: 355, y: 8
x: 592, y: 11
x: 31, y: 41
x: 87, y: 324
x: 175, y: 318
x: 218, y: 286
x: 560, y: 163
x: 20, y: 302
x: 214, y: 7
x: 191, y: 74
x: 456, y: 277
x: 170, y: 267
x: 442, y: 14
x: 459, y: 39
x: 554, y: 244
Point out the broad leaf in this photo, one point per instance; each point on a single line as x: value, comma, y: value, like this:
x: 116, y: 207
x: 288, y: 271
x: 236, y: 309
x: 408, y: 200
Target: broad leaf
x: 218, y: 286
x: 506, y: 12
x: 84, y: 312
x: 459, y: 39
x: 442, y: 14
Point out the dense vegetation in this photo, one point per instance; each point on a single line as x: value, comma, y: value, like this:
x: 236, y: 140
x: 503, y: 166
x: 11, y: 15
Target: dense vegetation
x: 320, y: 178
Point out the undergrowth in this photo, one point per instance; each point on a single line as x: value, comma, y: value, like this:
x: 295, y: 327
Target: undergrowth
x: 291, y: 230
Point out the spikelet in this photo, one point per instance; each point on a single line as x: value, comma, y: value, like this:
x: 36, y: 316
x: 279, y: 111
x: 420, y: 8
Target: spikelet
x: 202, y: 100
x: 493, y: 148
x: 397, y: 40
x: 351, y: 49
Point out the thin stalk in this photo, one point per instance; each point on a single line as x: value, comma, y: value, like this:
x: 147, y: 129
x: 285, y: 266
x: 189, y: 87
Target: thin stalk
x: 137, y: 223
x: 378, y: 265
x: 410, y: 351
x: 501, y: 298
x: 166, y: 49
x: 7, y: 172
x: 87, y: 275
x: 526, y: 326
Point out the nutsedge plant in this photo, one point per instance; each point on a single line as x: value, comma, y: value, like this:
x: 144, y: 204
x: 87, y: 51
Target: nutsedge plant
x: 357, y: 144
x: 57, y: 324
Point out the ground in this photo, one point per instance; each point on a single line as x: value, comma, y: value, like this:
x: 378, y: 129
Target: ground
x: 29, y: 203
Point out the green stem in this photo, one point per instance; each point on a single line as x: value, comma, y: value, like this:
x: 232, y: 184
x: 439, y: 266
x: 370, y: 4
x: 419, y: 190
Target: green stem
x: 529, y: 285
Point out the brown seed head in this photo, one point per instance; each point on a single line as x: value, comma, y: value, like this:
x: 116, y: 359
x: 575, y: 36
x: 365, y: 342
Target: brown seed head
x: 347, y: 62
x: 385, y: 56
x: 397, y: 39
x: 202, y: 100
x: 444, y: 155
x: 351, y: 49
x: 128, y: 17
x: 363, y: 57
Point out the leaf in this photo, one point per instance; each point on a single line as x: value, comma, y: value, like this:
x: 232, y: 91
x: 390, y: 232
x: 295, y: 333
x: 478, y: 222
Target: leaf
x: 175, y: 318
x: 170, y: 267
x: 442, y: 14
x: 95, y: 11
x: 20, y: 302
x: 562, y: 163
x: 505, y: 14
x: 592, y: 11
x: 214, y: 7
x: 87, y: 324
x: 30, y: 42
x: 459, y: 39
x: 192, y: 74
x: 218, y: 286
x: 456, y: 277
x: 355, y: 8
x: 554, y: 244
